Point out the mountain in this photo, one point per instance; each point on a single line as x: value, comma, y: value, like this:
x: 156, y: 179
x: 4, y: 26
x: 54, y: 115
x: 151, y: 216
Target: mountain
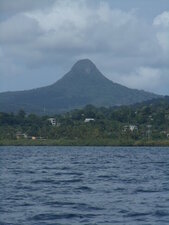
x: 83, y: 84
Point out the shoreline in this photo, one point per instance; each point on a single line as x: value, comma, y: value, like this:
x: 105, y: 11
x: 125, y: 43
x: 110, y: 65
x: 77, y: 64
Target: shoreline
x: 102, y: 142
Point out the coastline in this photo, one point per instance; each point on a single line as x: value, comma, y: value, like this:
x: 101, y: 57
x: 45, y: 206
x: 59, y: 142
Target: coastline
x: 80, y: 142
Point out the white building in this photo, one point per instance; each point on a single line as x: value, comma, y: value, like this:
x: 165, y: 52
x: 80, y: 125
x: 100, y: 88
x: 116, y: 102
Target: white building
x: 52, y: 121
x: 130, y: 127
x: 87, y: 120
x: 133, y: 127
x: 21, y: 135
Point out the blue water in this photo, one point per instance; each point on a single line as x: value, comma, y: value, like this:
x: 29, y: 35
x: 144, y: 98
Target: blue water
x: 84, y: 185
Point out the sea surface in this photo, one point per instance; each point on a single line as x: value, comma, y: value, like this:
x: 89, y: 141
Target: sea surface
x: 84, y: 185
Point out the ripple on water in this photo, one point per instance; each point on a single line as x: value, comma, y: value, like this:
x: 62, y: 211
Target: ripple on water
x: 84, y: 186
x: 53, y: 216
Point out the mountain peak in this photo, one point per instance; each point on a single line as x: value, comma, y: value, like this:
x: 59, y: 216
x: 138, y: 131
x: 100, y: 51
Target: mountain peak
x: 84, y: 66
x: 84, y: 84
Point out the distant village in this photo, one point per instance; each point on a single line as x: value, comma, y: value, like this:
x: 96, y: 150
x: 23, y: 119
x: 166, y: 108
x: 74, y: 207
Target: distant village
x: 53, y: 122
x: 126, y: 128
x: 142, y: 122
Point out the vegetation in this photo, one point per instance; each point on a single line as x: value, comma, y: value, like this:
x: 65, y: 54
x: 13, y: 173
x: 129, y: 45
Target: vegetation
x: 142, y: 124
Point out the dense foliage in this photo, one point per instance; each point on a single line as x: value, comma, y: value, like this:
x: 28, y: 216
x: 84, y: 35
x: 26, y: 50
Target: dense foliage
x: 122, y: 124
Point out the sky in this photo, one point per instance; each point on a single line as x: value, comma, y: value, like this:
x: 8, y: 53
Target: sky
x: 128, y: 40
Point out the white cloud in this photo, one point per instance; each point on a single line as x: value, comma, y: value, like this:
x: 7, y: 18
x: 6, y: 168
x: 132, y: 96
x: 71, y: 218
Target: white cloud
x: 161, y: 23
x: 162, y: 19
x: 73, y: 24
x: 143, y: 78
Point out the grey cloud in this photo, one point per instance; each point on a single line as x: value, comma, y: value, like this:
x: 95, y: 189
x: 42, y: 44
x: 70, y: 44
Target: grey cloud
x: 55, y: 35
x: 19, y: 29
x: 16, y: 6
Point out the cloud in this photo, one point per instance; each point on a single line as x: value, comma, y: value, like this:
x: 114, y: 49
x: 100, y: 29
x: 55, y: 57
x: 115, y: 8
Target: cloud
x: 142, y: 78
x: 74, y: 25
x: 18, y: 29
x: 38, y: 37
x: 161, y: 23
x: 162, y: 20
x: 15, y: 6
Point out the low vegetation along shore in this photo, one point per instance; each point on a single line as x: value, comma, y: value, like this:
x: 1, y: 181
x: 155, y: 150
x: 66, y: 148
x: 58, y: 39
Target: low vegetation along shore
x: 96, y: 142
x: 139, y: 125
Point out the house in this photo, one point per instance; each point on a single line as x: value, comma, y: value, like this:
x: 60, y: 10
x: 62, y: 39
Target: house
x: 149, y: 126
x: 21, y: 135
x: 133, y: 127
x: 87, y: 120
x: 52, y: 121
x: 37, y: 138
x: 130, y: 127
